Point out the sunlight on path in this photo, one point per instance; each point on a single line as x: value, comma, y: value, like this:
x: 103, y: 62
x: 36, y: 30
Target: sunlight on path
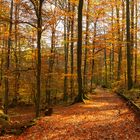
x: 105, y: 117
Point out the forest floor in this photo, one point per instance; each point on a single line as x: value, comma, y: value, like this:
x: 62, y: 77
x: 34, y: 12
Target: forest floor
x: 104, y: 117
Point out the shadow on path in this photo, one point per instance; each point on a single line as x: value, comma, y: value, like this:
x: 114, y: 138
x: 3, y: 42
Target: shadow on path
x: 105, y: 117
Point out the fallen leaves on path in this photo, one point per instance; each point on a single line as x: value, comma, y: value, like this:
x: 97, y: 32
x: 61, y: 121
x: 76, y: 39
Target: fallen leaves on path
x: 106, y: 117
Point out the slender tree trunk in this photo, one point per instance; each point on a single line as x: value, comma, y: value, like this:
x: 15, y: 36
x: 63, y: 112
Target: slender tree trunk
x: 112, y: 48
x: 136, y: 48
x: 105, y: 64
x: 118, y: 42
x: 123, y: 34
x: 39, y: 32
x: 2, y: 55
x: 50, y: 68
x: 51, y: 63
x: 92, y: 63
x: 66, y: 61
x: 86, y: 50
x: 2, y: 61
x: 8, y: 62
x: 16, y: 54
x: 79, y: 97
x: 72, y: 53
x: 129, y: 73
x: 110, y: 67
x: 66, y: 49
x: 132, y: 35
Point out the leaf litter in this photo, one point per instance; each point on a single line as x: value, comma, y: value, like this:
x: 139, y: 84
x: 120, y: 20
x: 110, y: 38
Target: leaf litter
x: 105, y: 117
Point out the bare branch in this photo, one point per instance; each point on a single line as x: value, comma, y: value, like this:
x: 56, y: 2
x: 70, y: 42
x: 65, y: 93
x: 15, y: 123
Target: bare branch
x: 25, y: 22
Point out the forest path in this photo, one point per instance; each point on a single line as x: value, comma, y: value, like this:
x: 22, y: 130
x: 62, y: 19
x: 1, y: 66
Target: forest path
x: 105, y: 117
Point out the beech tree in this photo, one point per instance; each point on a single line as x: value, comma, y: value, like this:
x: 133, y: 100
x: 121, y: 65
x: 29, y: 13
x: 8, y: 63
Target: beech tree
x: 118, y: 40
x: 66, y: 39
x: 129, y: 53
x: 38, y: 11
x: 7, y: 65
x: 86, y: 49
x: 136, y: 42
x: 72, y: 50
x: 79, y: 97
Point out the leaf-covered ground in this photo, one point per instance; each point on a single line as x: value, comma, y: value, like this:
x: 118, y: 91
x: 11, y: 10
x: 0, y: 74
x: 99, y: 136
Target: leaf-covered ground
x: 105, y: 117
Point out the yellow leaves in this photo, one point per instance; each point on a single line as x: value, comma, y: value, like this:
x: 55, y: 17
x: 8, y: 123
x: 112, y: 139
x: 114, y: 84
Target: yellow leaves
x: 1, y: 112
x: 3, y: 116
x: 17, y: 1
x: 74, y: 2
x: 118, y: 2
x: 8, y: 74
x: 69, y: 75
x: 6, y: 34
x: 89, y: 46
x: 74, y: 39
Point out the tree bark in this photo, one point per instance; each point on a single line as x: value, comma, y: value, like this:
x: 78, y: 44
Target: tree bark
x: 7, y: 67
x: 66, y: 60
x: 39, y: 32
x: 129, y: 73
x: 79, y: 97
x: 72, y: 53
x: 92, y: 62
x: 50, y: 68
x: 86, y: 50
x: 136, y: 48
x: 118, y: 42
x: 17, y: 55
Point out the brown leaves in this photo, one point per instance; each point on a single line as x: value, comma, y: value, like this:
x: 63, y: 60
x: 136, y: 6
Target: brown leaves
x: 97, y: 119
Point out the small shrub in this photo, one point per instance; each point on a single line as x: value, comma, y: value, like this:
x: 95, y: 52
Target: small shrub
x: 133, y: 94
x: 118, y: 87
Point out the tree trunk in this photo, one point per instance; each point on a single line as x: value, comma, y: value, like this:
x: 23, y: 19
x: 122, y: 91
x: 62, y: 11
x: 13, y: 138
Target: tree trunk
x: 132, y: 35
x: 105, y: 64
x: 16, y: 54
x: 111, y: 67
x: 86, y: 50
x: 129, y: 73
x: 136, y: 49
x: 79, y: 97
x: 39, y: 32
x: 92, y: 63
x: 50, y: 68
x: 123, y: 34
x: 66, y: 60
x: 112, y: 49
x: 72, y: 53
x: 8, y: 61
x: 118, y: 42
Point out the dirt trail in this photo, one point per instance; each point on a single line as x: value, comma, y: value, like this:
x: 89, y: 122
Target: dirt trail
x: 106, y: 117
